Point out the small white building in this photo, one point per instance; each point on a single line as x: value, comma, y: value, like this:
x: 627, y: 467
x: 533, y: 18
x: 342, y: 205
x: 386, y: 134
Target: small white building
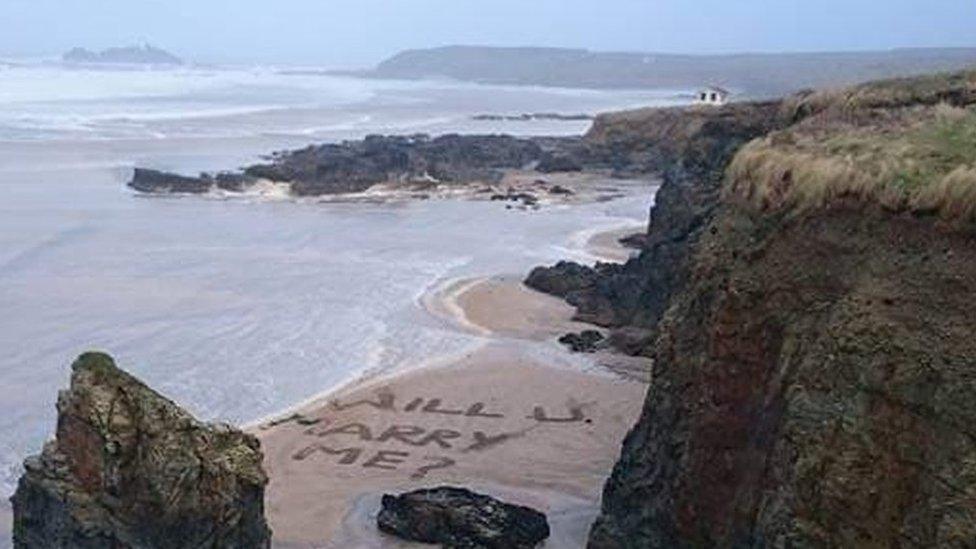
x: 712, y: 95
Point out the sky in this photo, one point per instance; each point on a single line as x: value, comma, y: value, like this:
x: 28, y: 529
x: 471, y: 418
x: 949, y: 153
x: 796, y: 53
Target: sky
x: 359, y: 33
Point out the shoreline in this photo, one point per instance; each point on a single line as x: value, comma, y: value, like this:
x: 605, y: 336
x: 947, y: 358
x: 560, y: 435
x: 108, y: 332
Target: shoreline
x: 6, y: 524
x: 605, y: 245
x: 488, y: 417
x: 440, y: 300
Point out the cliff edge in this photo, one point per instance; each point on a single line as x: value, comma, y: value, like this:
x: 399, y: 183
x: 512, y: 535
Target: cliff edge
x: 130, y: 469
x: 814, y: 375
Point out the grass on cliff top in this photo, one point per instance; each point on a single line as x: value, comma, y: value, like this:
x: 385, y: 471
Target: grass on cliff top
x: 958, y: 88
x: 921, y: 159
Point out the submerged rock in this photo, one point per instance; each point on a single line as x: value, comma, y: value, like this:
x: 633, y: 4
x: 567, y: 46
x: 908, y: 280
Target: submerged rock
x: 460, y: 518
x: 130, y: 469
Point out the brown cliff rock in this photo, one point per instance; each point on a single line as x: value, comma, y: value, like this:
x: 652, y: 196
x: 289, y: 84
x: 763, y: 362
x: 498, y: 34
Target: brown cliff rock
x: 130, y: 469
x: 815, y: 379
x: 813, y: 386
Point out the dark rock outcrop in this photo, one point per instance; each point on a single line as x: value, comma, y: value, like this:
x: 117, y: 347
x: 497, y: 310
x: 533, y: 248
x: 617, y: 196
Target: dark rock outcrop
x: 458, y: 518
x: 586, y: 341
x: 130, y: 469
x: 559, y: 162
x: 813, y: 378
x: 154, y: 181
x: 354, y: 166
x: 812, y: 387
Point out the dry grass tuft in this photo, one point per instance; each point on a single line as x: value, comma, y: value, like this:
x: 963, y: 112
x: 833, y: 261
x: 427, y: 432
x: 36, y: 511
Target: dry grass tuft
x: 919, y: 158
x: 952, y: 198
x: 952, y: 88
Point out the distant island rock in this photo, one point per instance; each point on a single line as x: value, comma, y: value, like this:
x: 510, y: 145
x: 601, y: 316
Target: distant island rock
x: 135, y: 55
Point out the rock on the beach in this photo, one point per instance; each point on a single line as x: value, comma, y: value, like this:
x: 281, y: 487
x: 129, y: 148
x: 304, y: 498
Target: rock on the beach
x: 596, y: 292
x: 583, y: 342
x: 459, y: 518
x: 130, y: 469
x: 561, y: 279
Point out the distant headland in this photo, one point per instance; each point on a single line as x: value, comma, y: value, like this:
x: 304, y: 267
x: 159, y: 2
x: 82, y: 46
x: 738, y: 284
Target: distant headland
x: 754, y: 75
x: 141, y: 55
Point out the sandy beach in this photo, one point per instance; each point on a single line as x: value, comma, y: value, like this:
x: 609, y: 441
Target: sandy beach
x: 518, y: 418
x: 606, y: 245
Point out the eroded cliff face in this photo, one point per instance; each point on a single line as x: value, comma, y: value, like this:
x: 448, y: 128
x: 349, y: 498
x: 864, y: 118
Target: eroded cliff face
x: 815, y: 377
x: 813, y: 385
x: 689, y: 148
x: 130, y: 469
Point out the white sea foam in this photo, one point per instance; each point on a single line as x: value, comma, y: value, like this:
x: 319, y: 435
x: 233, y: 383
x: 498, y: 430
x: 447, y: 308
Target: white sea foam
x: 243, y: 304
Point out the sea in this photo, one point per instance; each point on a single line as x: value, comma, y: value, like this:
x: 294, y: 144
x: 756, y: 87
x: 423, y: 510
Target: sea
x: 239, y: 307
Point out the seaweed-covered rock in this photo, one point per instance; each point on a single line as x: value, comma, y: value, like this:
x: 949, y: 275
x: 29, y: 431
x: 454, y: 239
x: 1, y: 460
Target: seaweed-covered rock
x: 130, y: 469
x: 458, y: 518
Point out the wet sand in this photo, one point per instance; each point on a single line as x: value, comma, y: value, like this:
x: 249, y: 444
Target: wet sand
x: 502, y: 306
x: 498, y: 422
x: 517, y: 418
x: 607, y: 247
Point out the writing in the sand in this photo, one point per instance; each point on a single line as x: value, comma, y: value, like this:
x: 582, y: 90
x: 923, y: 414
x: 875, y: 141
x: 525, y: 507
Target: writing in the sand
x: 386, y: 401
x: 345, y: 442
x: 382, y: 459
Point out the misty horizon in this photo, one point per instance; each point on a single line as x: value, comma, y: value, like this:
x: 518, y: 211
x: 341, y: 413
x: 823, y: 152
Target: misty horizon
x: 356, y: 35
x: 190, y: 57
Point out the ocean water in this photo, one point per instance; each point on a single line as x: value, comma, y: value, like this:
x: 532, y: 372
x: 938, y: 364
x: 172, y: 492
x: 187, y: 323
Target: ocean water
x: 238, y: 308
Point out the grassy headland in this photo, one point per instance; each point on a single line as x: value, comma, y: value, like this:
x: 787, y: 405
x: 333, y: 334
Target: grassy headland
x: 908, y: 145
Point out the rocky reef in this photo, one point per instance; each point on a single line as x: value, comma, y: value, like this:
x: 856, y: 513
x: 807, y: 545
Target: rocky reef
x: 355, y: 166
x: 130, y: 469
x: 813, y: 378
x: 457, y: 518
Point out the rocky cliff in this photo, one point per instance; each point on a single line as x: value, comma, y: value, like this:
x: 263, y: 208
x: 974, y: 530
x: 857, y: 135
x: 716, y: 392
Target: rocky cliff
x: 814, y: 374
x: 689, y: 148
x: 129, y: 469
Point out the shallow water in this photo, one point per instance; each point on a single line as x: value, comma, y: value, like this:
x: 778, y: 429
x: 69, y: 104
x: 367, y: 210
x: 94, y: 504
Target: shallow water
x: 239, y: 308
